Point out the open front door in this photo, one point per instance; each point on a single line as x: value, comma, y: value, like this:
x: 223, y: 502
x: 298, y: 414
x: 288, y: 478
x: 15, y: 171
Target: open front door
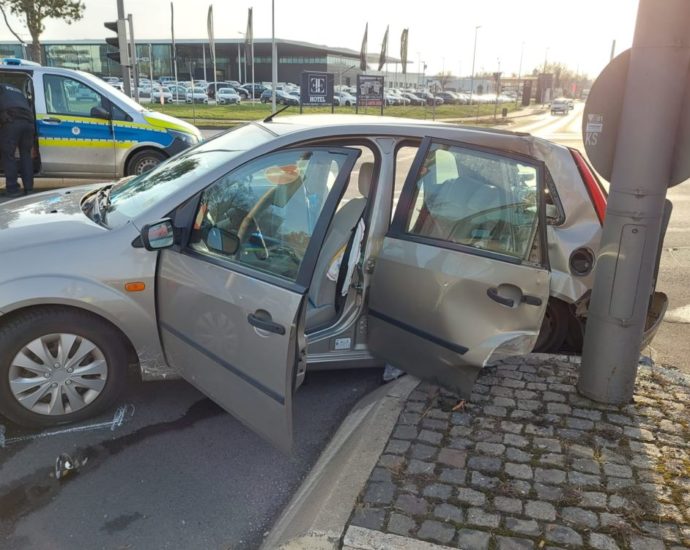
x: 231, y: 302
x: 461, y: 279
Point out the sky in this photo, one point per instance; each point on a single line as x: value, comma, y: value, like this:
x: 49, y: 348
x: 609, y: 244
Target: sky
x: 578, y: 33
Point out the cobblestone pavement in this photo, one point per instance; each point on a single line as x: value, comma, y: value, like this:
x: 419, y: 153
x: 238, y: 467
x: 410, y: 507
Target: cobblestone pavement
x: 529, y: 463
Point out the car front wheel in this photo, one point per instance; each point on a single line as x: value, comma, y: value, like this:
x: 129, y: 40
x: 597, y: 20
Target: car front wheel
x: 143, y: 161
x: 59, y: 365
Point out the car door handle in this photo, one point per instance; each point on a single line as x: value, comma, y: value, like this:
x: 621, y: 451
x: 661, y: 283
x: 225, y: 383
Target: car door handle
x: 496, y: 297
x: 265, y: 324
x: 531, y: 300
x: 52, y: 120
x: 509, y: 302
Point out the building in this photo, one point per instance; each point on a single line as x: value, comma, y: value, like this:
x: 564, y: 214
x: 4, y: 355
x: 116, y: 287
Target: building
x: 194, y: 59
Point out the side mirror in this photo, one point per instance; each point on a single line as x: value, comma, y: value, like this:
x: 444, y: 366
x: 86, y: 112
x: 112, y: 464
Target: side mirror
x: 100, y: 112
x: 158, y: 235
x: 222, y: 241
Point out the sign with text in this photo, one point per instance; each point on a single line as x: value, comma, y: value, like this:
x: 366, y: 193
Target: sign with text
x: 369, y: 90
x: 316, y: 88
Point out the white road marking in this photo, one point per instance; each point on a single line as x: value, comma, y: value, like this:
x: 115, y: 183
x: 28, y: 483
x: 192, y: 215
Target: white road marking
x: 123, y: 413
x: 679, y: 315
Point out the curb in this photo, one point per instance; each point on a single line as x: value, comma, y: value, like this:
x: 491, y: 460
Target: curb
x: 316, y: 516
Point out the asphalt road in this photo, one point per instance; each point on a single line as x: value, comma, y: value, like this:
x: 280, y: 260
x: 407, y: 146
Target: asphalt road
x: 671, y: 346
x: 178, y: 472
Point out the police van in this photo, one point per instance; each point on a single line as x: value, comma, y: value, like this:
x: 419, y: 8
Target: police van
x: 88, y: 129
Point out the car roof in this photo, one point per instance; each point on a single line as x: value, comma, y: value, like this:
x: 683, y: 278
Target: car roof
x: 320, y: 126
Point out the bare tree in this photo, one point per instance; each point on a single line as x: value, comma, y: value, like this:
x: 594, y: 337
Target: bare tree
x: 443, y: 79
x: 35, y: 12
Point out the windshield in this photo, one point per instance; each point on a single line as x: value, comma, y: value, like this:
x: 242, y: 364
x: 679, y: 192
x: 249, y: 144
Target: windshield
x: 132, y: 197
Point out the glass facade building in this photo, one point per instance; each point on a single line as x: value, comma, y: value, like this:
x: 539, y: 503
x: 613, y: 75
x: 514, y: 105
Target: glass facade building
x: 194, y: 59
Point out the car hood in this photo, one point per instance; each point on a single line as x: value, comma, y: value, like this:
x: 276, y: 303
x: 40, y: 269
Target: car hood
x: 161, y: 120
x: 50, y: 217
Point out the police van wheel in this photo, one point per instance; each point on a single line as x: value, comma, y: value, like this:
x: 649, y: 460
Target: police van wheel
x: 143, y: 161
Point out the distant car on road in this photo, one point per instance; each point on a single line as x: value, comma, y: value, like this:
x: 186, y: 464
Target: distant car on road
x: 560, y: 105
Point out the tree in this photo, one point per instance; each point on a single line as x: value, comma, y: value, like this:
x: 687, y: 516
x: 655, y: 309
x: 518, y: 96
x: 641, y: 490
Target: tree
x: 35, y: 12
x: 564, y: 77
x: 443, y: 78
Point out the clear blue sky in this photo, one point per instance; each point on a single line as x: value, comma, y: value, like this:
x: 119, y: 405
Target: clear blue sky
x: 576, y: 32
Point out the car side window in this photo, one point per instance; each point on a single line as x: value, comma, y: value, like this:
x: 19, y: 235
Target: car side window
x: 263, y: 214
x: 67, y: 96
x: 404, y: 156
x: 477, y: 199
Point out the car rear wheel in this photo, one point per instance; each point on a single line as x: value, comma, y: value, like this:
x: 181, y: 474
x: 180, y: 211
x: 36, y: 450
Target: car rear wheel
x: 143, y: 161
x: 554, y: 327
x: 58, y: 366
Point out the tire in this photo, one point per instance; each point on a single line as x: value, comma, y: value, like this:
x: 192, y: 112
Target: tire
x: 554, y: 327
x: 48, y: 325
x: 143, y: 161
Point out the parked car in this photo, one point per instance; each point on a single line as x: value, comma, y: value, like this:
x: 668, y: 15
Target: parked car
x: 230, y: 266
x: 344, y: 98
x: 75, y: 110
x: 227, y: 96
x: 163, y: 93
x: 449, y: 98
x: 560, y: 106
x: 414, y: 99
x: 258, y: 90
x: 178, y: 92
x: 430, y: 98
x: 196, y: 95
x: 281, y: 97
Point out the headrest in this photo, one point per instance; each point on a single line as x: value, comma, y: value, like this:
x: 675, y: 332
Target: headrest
x: 366, y: 172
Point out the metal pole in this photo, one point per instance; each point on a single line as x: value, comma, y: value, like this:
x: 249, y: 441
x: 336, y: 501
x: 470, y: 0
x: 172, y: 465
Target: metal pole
x: 174, y: 47
x: 203, y: 56
x: 613, y: 50
x: 151, y: 65
x: 517, y: 91
x: 239, y: 64
x: 126, y: 85
x: 274, y: 57
x: 133, y: 59
x: 474, y: 56
x: 625, y: 267
x: 253, y: 84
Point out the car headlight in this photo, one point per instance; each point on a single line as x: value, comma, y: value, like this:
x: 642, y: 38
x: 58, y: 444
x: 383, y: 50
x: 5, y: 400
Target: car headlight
x: 189, y: 139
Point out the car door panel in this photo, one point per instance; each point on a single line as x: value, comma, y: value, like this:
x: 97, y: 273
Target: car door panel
x: 430, y: 314
x: 232, y: 317
x: 208, y: 338
x: 459, y: 282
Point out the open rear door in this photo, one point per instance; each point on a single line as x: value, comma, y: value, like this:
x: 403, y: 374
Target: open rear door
x: 461, y: 280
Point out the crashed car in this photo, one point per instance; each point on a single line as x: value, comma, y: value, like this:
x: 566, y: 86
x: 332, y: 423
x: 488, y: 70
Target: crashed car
x: 294, y: 244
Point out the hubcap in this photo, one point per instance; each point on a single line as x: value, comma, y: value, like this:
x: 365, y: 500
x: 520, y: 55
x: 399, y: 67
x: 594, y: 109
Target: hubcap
x: 146, y: 164
x: 58, y: 374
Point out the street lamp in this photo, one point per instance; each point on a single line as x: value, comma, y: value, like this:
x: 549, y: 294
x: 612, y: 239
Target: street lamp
x: 517, y: 91
x: 474, y: 56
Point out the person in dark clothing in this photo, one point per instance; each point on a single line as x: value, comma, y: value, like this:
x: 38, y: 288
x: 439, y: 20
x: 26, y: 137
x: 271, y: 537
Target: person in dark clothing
x: 17, y: 130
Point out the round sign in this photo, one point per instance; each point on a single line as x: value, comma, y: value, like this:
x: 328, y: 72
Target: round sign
x: 75, y: 130
x: 602, y: 115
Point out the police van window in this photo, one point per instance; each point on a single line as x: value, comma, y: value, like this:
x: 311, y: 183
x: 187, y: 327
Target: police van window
x: 67, y: 96
x: 119, y: 114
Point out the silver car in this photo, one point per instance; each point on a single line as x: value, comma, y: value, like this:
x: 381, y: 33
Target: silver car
x: 300, y: 243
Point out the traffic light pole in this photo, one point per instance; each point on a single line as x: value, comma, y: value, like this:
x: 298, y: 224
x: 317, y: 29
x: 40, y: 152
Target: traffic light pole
x: 122, y: 34
x: 133, y: 59
x: 642, y: 167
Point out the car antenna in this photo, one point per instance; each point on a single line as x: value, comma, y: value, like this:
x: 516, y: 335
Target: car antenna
x: 269, y: 118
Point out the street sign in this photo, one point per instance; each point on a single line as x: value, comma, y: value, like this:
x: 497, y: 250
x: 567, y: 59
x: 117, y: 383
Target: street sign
x: 370, y: 91
x: 601, y: 120
x: 316, y: 88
